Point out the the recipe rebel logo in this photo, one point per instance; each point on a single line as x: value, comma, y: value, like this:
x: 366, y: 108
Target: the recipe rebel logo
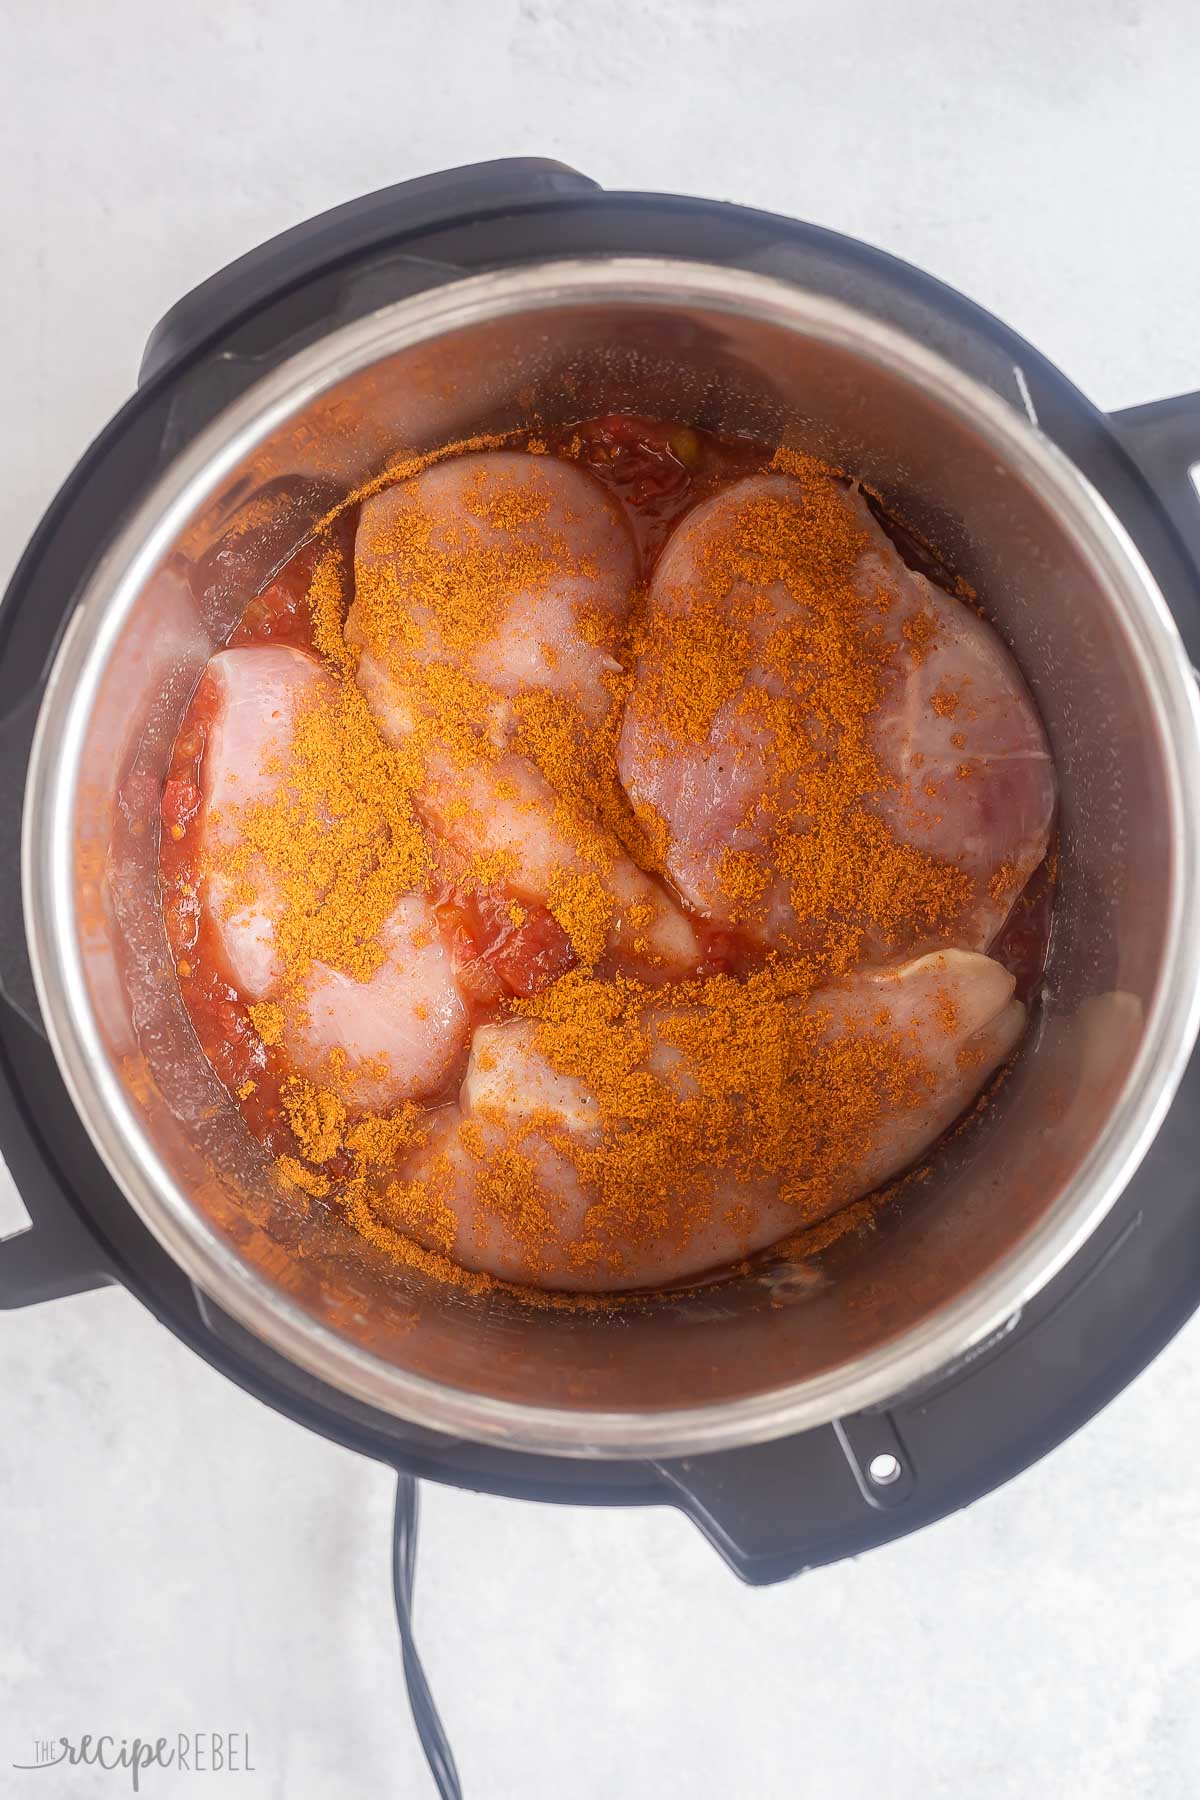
x: 189, y: 1752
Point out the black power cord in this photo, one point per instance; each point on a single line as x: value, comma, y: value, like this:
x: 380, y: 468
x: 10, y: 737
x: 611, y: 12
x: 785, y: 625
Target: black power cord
x: 433, y: 1738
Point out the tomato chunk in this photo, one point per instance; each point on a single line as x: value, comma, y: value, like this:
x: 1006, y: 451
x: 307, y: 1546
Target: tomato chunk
x: 522, y: 947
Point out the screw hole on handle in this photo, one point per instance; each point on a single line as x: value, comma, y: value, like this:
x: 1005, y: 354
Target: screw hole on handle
x: 884, y: 1469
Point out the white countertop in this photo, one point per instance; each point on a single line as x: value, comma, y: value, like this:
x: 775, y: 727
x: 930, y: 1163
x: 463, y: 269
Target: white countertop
x: 175, y: 1557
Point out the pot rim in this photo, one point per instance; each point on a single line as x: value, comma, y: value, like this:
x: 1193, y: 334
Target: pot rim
x: 1173, y: 1016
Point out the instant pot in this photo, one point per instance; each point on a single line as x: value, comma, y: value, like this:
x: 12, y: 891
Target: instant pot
x: 804, y: 1410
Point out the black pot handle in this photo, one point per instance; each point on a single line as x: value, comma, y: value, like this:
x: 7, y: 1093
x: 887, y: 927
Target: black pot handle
x: 51, y: 1259
x: 773, y: 1510
x: 56, y: 1254
x: 16, y: 739
x: 346, y: 231
x: 1163, y: 438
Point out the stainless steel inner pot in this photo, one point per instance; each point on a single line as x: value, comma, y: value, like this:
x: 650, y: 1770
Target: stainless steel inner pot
x: 1005, y: 1203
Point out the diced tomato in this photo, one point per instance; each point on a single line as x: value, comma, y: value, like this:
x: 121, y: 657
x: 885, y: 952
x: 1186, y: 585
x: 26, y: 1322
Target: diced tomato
x: 529, y: 956
x: 180, y: 803
x: 272, y: 613
x: 459, y: 926
x: 523, y: 947
x: 637, y: 455
x: 479, y: 982
x: 181, y: 914
x: 627, y: 430
x: 189, y: 745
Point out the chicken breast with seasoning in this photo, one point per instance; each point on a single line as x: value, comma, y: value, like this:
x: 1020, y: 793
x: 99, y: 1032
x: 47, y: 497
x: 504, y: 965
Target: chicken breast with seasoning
x: 492, y: 592
x: 827, y: 751
x: 393, y: 1029
x: 517, y: 570
x: 253, y: 700
x: 594, y: 1182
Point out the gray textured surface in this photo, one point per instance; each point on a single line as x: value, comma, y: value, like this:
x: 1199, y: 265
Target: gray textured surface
x: 173, y: 1556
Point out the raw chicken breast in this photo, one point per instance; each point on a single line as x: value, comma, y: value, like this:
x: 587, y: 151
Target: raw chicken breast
x: 258, y: 694
x: 516, y: 571
x: 953, y: 1012
x: 966, y: 774
x: 959, y: 732
x: 532, y: 567
x: 961, y: 1012
x: 400, y: 1032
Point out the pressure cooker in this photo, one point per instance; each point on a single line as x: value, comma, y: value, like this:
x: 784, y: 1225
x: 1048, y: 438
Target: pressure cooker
x: 803, y: 1409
